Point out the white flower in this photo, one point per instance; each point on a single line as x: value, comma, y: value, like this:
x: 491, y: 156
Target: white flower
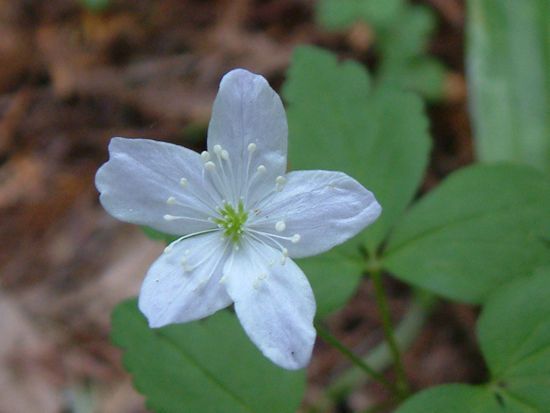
x: 241, y: 217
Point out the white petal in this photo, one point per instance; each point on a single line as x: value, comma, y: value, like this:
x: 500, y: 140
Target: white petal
x: 274, y: 303
x: 140, y: 177
x: 324, y: 208
x: 247, y: 113
x: 183, y: 284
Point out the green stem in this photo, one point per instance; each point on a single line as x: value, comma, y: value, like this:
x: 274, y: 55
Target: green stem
x: 387, y: 326
x: 380, y: 357
x: 337, y: 344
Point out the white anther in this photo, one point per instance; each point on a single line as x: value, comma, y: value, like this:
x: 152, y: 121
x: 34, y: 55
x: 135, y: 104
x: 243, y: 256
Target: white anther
x: 251, y: 147
x: 171, y: 201
x: 261, y: 169
x: 258, y: 281
x: 205, y: 156
x: 279, y: 183
x: 185, y: 265
x: 225, y: 155
x: 168, y: 217
x: 295, y: 238
x: 280, y: 226
x: 210, y: 166
x: 217, y: 149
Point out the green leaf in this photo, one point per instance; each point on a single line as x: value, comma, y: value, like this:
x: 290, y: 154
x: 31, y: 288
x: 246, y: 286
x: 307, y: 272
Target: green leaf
x: 96, y: 6
x: 337, y: 121
x: 403, y: 46
x: 514, y: 334
x: 509, y: 80
x: 422, y: 75
x: 339, y: 14
x: 208, y: 366
x: 480, y: 228
x: 158, y: 236
x: 408, y: 36
x: 452, y: 398
x: 334, y: 276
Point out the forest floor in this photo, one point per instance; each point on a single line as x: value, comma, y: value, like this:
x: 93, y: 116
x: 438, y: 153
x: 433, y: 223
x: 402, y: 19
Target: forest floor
x: 69, y: 81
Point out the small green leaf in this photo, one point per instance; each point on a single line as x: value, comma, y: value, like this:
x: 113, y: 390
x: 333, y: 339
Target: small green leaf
x: 338, y: 121
x: 514, y: 334
x: 509, y: 80
x: 96, y: 5
x: 339, y: 14
x: 208, y: 366
x: 480, y: 228
x: 159, y: 236
x: 334, y: 276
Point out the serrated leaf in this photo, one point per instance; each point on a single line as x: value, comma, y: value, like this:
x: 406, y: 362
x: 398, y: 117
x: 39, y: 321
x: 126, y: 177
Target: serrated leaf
x: 208, y: 366
x: 509, y: 80
x: 482, y: 227
x: 338, y: 121
x: 339, y: 14
x: 514, y: 333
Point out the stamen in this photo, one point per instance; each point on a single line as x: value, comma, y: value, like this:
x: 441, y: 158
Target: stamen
x: 217, y: 149
x: 171, y: 201
x: 251, y: 147
x: 295, y: 238
x: 261, y: 169
x: 210, y: 166
x: 280, y: 226
x: 258, y: 281
x: 225, y: 155
x: 205, y: 155
x: 183, y: 182
x: 280, y: 182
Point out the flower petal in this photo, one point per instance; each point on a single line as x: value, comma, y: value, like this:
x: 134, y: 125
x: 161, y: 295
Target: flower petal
x: 274, y: 303
x: 140, y: 177
x: 324, y: 208
x: 248, y: 111
x: 183, y: 284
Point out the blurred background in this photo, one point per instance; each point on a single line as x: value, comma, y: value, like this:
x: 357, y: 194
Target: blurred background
x: 75, y: 73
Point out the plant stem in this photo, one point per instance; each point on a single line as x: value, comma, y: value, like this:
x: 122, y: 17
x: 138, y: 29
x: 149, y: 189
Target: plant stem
x: 380, y: 357
x: 387, y: 325
x: 337, y: 344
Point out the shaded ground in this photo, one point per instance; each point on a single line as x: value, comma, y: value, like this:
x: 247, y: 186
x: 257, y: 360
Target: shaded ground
x: 71, y: 79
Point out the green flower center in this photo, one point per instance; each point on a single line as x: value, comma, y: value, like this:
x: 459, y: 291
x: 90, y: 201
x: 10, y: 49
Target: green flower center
x: 232, y: 220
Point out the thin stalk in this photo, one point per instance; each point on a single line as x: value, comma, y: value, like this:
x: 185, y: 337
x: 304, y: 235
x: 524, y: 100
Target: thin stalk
x: 387, y: 325
x: 357, y: 361
x: 380, y: 357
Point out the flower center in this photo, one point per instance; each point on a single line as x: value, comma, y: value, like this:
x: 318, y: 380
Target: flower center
x: 232, y: 220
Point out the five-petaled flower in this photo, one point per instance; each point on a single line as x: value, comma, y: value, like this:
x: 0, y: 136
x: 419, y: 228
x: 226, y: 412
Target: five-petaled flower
x: 241, y: 219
